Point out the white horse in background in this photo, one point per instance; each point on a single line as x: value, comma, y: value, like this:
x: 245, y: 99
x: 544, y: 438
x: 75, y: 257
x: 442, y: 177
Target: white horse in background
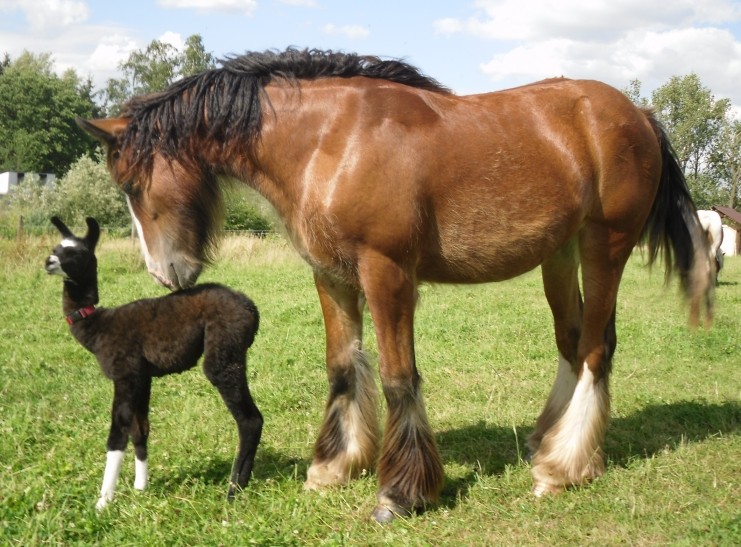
x: 713, y: 227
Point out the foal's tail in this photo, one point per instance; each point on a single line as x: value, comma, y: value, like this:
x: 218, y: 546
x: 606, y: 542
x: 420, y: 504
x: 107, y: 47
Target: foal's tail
x: 673, y: 226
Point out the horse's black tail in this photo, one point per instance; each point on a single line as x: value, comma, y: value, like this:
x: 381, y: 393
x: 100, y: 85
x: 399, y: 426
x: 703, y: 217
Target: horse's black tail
x: 674, y: 228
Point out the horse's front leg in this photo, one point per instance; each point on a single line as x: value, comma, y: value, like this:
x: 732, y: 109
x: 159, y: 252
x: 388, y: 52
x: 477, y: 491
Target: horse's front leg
x: 410, y: 471
x: 122, y: 416
x: 348, y: 439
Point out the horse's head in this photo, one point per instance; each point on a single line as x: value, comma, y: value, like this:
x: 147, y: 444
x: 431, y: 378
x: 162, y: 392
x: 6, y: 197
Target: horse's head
x: 174, y: 204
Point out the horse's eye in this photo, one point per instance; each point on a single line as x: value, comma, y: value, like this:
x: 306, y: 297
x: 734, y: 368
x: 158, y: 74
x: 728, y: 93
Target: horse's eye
x: 128, y: 188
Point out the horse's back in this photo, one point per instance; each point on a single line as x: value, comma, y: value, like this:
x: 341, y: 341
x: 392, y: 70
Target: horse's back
x: 524, y: 169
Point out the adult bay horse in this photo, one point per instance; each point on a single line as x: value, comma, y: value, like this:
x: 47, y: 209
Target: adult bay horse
x: 385, y: 179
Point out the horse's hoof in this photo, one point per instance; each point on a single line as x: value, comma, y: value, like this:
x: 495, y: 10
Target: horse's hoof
x: 542, y: 488
x: 388, y: 512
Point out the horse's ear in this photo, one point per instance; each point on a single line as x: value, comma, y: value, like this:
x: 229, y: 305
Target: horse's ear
x: 93, y: 233
x: 106, y: 130
x: 62, y: 227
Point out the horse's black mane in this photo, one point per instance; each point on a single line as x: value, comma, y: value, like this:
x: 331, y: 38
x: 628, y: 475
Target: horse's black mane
x: 231, y: 95
x: 313, y: 64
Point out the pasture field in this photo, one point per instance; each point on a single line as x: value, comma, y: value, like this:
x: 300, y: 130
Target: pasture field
x: 488, y: 358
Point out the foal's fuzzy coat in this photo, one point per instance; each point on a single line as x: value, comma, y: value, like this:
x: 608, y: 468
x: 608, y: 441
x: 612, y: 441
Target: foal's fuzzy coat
x: 155, y: 337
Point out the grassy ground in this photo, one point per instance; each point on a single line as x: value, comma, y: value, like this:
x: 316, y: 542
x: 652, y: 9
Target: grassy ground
x: 488, y: 358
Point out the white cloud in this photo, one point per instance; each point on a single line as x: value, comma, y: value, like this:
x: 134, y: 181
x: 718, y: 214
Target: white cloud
x: 229, y: 6
x: 651, y: 57
x: 109, y: 52
x: 350, y: 31
x: 596, y: 20
x: 611, y: 40
x: 46, y: 14
x: 304, y: 3
x: 174, y: 39
x: 448, y: 25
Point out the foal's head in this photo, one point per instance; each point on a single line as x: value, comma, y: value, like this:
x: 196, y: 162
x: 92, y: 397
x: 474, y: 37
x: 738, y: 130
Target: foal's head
x: 174, y: 201
x: 74, y: 258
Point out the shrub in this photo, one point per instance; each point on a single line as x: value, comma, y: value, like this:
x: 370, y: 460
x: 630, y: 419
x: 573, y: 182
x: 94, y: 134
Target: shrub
x: 242, y: 211
x: 86, y: 190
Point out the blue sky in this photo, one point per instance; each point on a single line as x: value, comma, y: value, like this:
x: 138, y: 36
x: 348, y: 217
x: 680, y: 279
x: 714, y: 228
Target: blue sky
x: 470, y: 45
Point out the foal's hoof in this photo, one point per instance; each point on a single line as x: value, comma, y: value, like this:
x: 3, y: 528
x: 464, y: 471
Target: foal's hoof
x: 385, y: 513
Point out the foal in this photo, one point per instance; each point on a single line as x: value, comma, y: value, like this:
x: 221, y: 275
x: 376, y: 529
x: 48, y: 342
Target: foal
x: 154, y: 337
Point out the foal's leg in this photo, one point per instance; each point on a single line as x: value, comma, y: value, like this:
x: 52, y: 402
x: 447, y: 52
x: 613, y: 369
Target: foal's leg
x: 347, y: 442
x: 140, y: 433
x: 225, y: 365
x: 410, y: 471
x: 570, y: 451
x: 122, y: 417
x: 561, y: 284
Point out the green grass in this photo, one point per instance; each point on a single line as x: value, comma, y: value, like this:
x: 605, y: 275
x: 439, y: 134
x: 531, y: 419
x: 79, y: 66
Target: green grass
x: 488, y: 359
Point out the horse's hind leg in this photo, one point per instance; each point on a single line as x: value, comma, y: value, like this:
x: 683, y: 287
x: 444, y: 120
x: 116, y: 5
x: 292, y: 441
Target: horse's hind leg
x: 226, y: 369
x: 570, y: 451
x: 348, y: 438
x: 561, y: 284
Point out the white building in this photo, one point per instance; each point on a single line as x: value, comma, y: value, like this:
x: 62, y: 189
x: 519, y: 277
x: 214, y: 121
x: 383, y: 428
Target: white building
x: 13, y: 178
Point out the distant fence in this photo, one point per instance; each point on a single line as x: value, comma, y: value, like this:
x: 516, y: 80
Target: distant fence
x: 23, y: 228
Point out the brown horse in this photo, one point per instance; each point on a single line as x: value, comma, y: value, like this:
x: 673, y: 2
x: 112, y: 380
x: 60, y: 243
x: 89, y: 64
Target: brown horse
x: 386, y: 179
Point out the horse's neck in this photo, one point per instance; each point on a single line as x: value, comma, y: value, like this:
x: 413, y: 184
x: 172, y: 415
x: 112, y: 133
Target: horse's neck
x: 281, y: 164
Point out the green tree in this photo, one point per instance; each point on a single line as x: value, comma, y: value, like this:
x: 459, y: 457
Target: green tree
x: 37, y: 116
x: 633, y: 92
x: 693, y: 119
x: 5, y: 63
x: 153, y: 69
x: 725, y: 162
x: 195, y: 58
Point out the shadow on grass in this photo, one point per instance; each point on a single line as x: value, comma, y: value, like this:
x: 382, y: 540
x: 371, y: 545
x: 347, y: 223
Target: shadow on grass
x: 269, y: 464
x: 488, y: 450
x: 654, y: 430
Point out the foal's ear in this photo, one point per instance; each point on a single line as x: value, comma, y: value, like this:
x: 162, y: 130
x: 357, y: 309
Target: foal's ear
x: 106, y: 130
x: 93, y: 233
x: 62, y: 227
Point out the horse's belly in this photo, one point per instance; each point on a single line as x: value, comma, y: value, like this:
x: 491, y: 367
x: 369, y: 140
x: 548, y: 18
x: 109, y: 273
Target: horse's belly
x: 464, y: 261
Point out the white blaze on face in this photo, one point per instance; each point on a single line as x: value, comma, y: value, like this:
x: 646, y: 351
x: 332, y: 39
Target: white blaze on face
x: 152, y: 266
x: 145, y: 250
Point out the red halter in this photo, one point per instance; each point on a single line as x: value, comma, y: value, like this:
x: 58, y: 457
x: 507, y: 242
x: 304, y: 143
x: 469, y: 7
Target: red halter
x: 79, y: 315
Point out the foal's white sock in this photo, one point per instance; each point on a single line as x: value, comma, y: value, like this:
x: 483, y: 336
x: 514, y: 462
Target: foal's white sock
x: 110, y: 477
x: 142, y: 474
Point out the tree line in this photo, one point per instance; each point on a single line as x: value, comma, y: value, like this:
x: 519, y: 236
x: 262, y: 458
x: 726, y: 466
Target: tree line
x: 38, y: 131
